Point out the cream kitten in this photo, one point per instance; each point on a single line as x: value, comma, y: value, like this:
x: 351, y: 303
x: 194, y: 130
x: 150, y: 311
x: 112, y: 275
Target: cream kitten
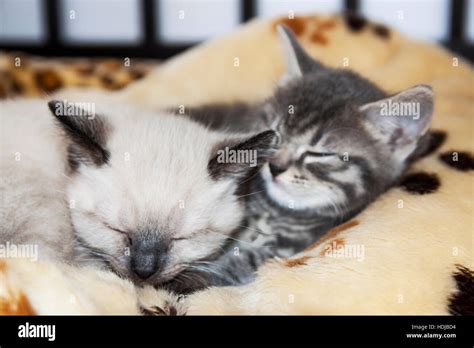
x: 141, y: 192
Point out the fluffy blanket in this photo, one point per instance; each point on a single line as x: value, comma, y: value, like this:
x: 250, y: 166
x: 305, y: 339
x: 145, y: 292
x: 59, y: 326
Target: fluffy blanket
x: 410, y: 252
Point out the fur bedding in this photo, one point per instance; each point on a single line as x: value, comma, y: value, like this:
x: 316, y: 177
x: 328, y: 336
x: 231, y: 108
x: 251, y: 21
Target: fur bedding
x: 410, y: 252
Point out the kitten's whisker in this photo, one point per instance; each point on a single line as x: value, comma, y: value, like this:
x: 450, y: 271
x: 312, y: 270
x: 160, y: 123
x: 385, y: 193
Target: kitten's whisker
x: 250, y: 194
x: 253, y: 176
x: 250, y: 229
x: 206, y: 270
x: 233, y: 238
x: 203, y: 262
x: 191, y: 277
x: 66, y: 176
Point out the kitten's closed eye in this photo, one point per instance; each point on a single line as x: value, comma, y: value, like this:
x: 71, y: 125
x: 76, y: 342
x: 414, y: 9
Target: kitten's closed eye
x: 323, y: 157
x: 122, y: 232
x: 319, y: 154
x: 179, y: 238
x: 114, y: 228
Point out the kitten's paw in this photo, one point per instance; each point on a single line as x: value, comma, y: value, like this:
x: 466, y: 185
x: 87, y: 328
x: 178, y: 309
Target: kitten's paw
x: 160, y: 302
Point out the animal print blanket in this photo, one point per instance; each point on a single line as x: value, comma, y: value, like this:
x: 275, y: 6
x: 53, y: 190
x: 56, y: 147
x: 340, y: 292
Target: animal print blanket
x: 30, y: 76
x: 410, y: 252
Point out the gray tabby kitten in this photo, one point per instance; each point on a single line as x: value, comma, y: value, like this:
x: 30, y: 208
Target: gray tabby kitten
x: 344, y: 142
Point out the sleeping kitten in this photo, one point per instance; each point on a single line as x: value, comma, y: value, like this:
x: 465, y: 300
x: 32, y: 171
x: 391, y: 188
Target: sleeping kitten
x: 139, y: 192
x: 344, y: 142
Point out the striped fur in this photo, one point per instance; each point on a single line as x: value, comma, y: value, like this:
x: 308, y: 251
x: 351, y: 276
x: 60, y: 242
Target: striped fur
x: 338, y: 153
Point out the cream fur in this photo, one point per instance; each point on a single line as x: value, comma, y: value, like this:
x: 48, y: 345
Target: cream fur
x: 28, y: 288
x: 157, y: 175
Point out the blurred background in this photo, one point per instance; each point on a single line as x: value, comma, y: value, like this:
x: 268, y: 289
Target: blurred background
x: 162, y: 28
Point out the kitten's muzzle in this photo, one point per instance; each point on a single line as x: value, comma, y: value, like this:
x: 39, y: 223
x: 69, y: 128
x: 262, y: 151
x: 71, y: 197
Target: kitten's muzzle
x: 148, y: 256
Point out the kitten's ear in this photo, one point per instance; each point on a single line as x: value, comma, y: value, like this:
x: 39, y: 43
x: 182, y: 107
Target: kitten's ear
x: 402, y: 119
x: 239, y: 158
x: 298, y: 62
x: 86, y: 130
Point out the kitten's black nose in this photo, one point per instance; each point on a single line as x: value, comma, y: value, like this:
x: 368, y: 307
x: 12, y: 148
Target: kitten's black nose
x: 148, y: 256
x: 144, y: 266
x: 276, y: 169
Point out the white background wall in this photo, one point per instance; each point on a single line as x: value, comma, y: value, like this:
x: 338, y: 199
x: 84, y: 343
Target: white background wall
x: 424, y: 19
x: 20, y: 21
x: 271, y: 8
x: 470, y: 24
x: 187, y: 21
x: 100, y: 21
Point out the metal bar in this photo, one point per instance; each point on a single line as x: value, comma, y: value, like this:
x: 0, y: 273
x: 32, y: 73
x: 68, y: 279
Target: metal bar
x: 247, y: 10
x: 352, y: 6
x: 458, y: 11
x: 51, y: 9
x: 149, y: 25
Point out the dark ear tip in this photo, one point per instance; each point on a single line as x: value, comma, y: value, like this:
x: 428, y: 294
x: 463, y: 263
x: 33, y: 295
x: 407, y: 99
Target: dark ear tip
x: 271, y: 136
x: 284, y: 30
x: 427, y: 92
x: 53, y: 106
x: 283, y: 27
x: 426, y: 86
